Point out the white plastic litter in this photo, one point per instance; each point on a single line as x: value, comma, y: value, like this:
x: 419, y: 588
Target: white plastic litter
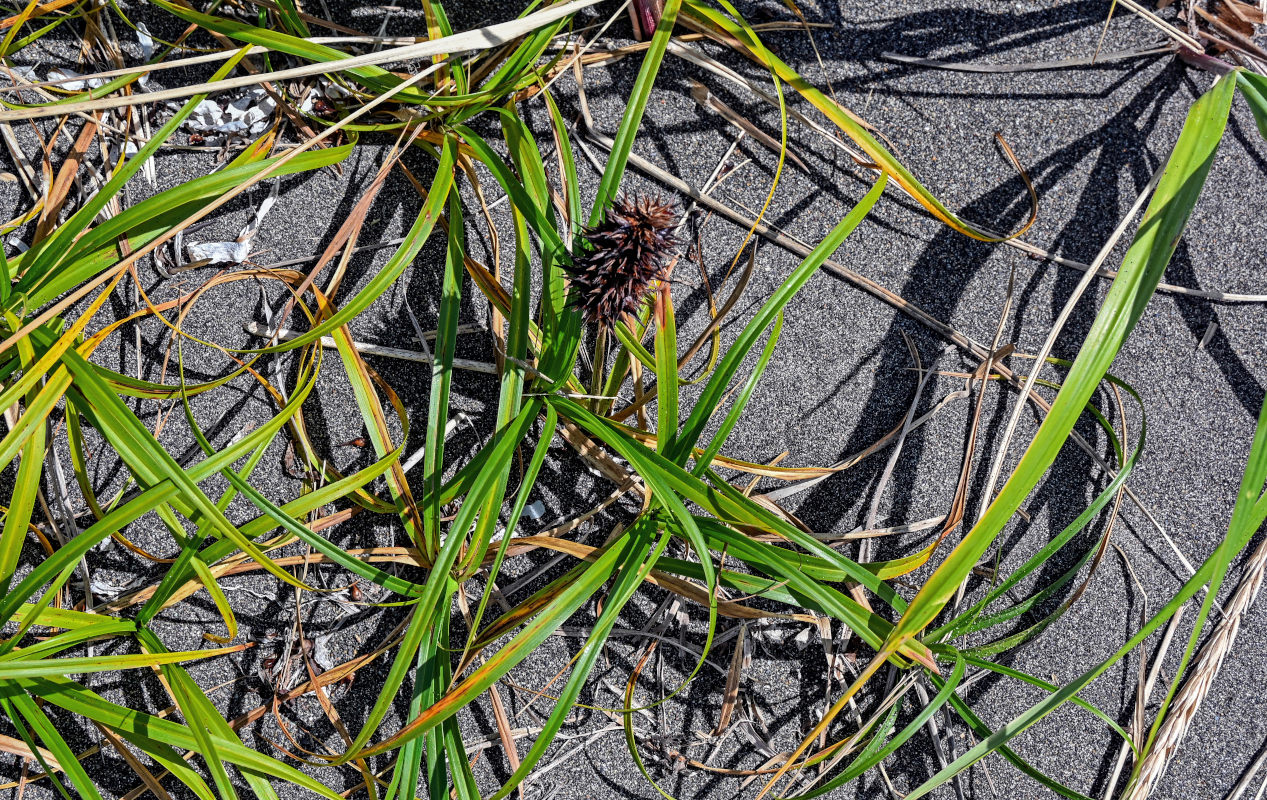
x: 535, y: 510
x: 60, y: 73
x: 236, y: 251
x: 244, y: 118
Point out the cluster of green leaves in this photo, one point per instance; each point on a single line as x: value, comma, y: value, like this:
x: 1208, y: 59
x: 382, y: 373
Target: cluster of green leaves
x: 46, y: 363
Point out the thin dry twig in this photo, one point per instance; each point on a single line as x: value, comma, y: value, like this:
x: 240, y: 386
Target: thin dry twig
x: 366, y: 348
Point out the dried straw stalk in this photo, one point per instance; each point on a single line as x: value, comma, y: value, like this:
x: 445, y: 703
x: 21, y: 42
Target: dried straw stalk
x: 1200, y: 679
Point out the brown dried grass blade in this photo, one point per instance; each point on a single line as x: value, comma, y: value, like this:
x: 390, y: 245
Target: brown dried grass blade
x: 17, y: 747
x: 60, y: 187
x: 733, y: 677
x: 147, y: 778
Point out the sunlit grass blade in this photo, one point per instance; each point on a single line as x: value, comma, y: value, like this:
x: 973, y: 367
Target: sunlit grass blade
x: 1247, y: 516
x: 705, y: 459
x: 634, y: 108
x: 10, y: 669
x: 41, y: 727
x: 441, y: 381
x: 717, y: 385
x: 666, y: 372
x: 561, y: 607
x: 1158, y: 235
x: 879, y: 749
x: 436, y: 587
x: 635, y: 563
x: 1254, y: 89
x: 27, y: 484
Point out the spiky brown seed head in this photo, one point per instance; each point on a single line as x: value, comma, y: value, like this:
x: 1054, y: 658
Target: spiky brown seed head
x: 622, y: 257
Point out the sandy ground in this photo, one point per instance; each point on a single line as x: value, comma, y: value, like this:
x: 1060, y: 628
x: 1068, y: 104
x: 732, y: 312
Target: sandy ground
x: 1090, y: 138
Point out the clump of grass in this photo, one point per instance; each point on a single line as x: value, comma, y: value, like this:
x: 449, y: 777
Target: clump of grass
x: 457, y: 525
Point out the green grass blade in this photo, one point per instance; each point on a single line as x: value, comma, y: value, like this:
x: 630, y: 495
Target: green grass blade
x: 29, y: 669
x: 717, y: 385
x: 1247, y: 516
x: 1254, y: 89
x: 1141, y: 270
x: 570, y: 597
x: 635, y: 564
x: 634, y: 108
x: 870, y: 757
x: 703, y: 461
x: 666, y: 372
x: 43, y: 728
x: 441, y: 381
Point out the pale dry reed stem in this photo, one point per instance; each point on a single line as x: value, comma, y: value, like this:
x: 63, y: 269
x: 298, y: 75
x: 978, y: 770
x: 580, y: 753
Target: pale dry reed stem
x: 1200, y: 678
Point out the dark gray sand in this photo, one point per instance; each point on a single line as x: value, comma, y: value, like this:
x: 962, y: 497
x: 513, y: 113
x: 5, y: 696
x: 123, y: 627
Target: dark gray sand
x: 1090, y: 137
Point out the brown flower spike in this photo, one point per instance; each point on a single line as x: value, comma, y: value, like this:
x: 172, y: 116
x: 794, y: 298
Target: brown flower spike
x: 622, y: 258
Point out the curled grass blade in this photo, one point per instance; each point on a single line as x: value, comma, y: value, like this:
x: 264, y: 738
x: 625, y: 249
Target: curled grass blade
x: 732, y: 25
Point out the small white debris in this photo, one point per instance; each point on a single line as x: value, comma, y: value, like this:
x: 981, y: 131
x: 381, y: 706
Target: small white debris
x: 1209, y: 334
x: 14, y: 240
x: 146, y: 41
x: 236, y: 251
x: 147, y: 51
x: 343, y: 599
x: 535, y: 510
x: 323, y: 90
x: 66, y: 73
x: 104, y: 589
x: 112, y: 150
x: 244, y: 118
x: 321, y: 655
